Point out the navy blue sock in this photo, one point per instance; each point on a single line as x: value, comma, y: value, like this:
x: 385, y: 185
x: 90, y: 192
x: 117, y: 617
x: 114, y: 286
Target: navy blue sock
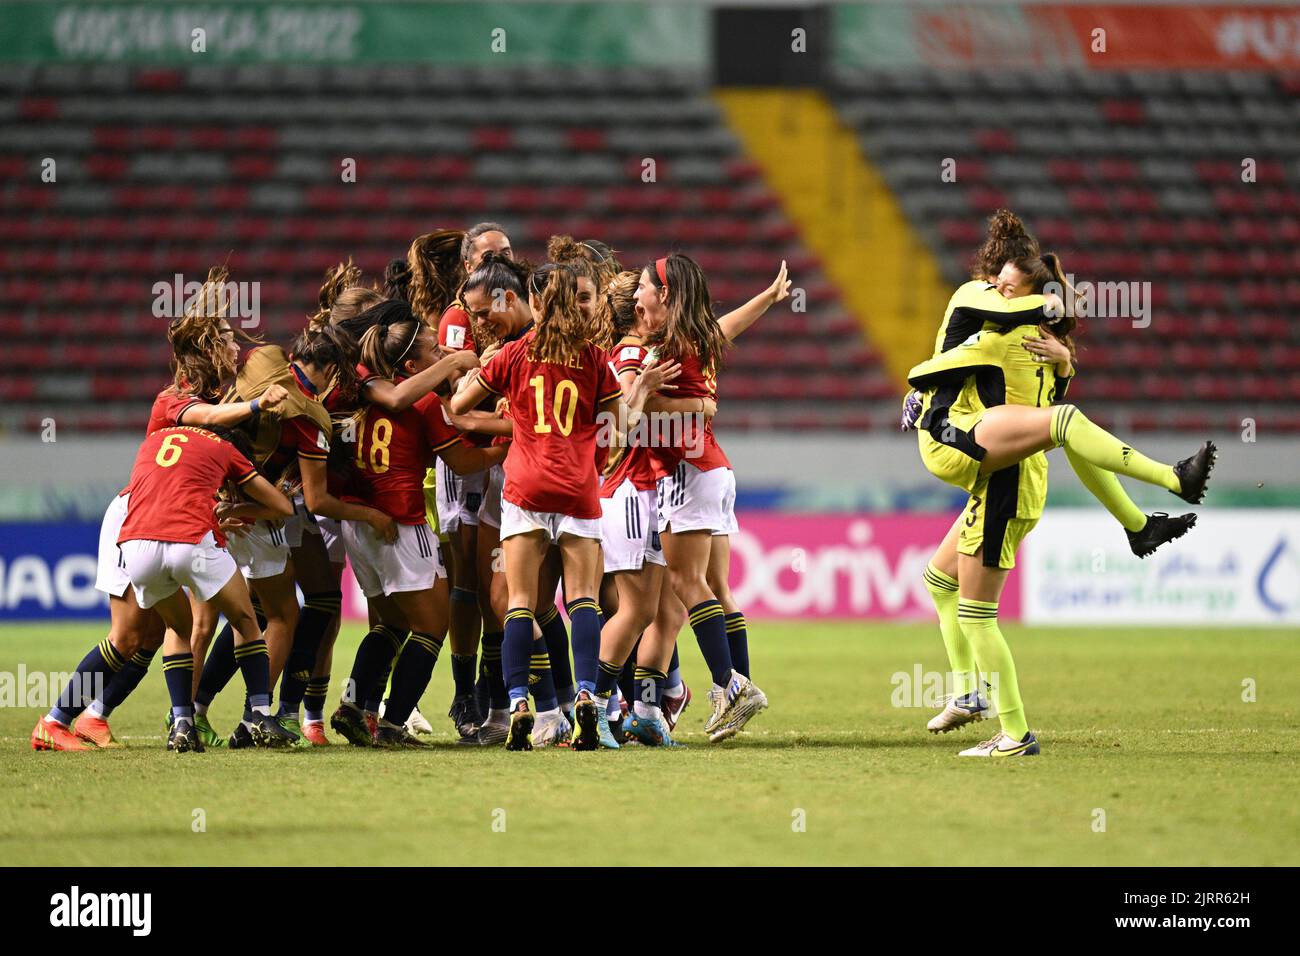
x: 707, y: 621
x: 318, y: 612
x: 491, y: 675
x: 255, y: 666
x: 738, y: 641
x: 371, y: 699
x: 124, y: 682
x: 674, y: 669
x: 517, y: 652
x: 88, y: 681
x: 178, y: 672
x: 557, y: 646
x: 607, y: 674
x: 627, y: 675
x: 411, y: 675
x: 584, y: 615
x: 540, y: 680
x: 462, y: 674
x: 374, y: 657
x: 650, y: 686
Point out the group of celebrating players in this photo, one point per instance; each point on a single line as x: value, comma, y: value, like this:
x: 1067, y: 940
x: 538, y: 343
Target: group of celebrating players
x: 568, y: 410
x: 475, y: 435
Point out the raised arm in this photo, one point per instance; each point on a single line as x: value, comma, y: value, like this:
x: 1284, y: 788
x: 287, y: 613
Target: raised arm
x: 738, y: 320
x: 470, y: 394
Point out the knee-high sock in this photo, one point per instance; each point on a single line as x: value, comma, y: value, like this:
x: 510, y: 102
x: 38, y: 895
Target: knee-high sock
x: 372, y: 698
x: 708, y: 623
x: 979, y: 622
x: 1105, y: 487
x: 178, y: 672
x: 961, y: 659
x: 91, y: 676
x: 1071, y: 428
x: 584, y: 615
x: 122, y: 683
x: 314, y: 622
x: 673, y: 683
x: 411, y: 675
x: 374, y: 656
x: 607, y: 674
x: 540, y: 680
x: 493, y: 676
x: 627, y: 676
x: 517, y: 653
x: 738, y: 641
x: 557, y: 646
x: 255, y: 666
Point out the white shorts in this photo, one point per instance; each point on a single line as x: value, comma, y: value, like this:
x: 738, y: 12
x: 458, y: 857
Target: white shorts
x: 158, y: 569
x: 489, y: 510
x: 629, y: 526
x: 261, y: 551
x: 694, y: 500
x: 111, y: 576
x: 459, y: 497
x: 517, y: 520
x: 411, y: 563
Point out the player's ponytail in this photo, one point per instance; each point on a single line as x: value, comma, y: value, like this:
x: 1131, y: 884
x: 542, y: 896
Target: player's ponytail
x: 344, y: 275
x: 561, y: 332
x: 330, y: 349
x: 436, y: 272
x: 390, y: 338
x: 1007, y: 239
x: 616, y: 309
x: 397, y: 280
x: 692, y: 327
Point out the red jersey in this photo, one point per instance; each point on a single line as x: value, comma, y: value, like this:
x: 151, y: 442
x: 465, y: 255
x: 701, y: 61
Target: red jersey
x: 394, y: 452
x: 635, y: 465
x: 454, y: 330
x: 551, y: 465
x: 168, y: 408
x: 677, y: 441
x: 177, y: 472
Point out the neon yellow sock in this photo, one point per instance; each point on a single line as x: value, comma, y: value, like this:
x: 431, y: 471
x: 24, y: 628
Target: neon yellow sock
x: 961, y: 659
x: 1071, y: 428
x: 979, y: 622
x: 1105, y: 487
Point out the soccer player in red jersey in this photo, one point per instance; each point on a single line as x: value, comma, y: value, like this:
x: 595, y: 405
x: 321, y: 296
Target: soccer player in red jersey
x: 205, y: 351
x: 403, y: 581
x: 169, y: 540
x: 556, y: 383
x: 696, y: 486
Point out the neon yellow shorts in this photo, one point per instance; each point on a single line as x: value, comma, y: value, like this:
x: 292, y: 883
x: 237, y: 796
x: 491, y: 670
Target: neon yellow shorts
x: 980, y: 531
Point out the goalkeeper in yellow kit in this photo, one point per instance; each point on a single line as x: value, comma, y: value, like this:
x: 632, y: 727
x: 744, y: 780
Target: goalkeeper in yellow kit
x: 985, y: 419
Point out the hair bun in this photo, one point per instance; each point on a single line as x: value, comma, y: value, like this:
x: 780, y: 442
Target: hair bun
x: 1005, y: 224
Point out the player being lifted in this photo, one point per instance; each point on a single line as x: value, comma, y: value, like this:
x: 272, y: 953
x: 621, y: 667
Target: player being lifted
x: 978, y: 446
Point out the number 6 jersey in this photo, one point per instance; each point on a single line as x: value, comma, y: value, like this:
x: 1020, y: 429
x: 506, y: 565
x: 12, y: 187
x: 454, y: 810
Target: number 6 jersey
x: 551, y: 466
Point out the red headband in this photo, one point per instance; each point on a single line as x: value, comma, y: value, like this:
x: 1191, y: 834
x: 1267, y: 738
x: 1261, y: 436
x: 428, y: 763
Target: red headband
x: 661, y: 269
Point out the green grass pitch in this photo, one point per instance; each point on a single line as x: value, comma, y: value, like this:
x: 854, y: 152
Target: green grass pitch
x: 1146, y: 726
